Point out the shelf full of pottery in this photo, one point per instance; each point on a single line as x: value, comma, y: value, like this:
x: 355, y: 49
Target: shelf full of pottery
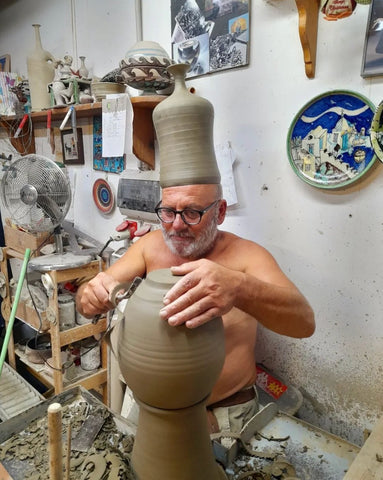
x: 56, y: 83
x: 64, y: 349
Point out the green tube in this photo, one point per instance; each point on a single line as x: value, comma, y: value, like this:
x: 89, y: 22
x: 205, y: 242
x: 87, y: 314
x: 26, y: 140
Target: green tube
x: 14, y: 308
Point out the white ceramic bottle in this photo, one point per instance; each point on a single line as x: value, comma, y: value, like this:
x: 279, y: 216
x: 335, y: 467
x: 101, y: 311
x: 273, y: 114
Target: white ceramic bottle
x: 40, y: 73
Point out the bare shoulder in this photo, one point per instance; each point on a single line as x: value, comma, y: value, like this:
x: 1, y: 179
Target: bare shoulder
x: 247, y: 256
x: 240, y: 247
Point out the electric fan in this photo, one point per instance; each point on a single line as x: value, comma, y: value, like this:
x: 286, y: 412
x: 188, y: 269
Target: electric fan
x: 37, y: 195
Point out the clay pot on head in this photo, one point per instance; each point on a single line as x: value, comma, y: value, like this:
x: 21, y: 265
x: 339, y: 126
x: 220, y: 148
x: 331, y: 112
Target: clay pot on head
x: 184, y: 128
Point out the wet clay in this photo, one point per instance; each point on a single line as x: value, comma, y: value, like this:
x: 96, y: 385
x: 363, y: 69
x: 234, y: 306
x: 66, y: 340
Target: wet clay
x: 184, y: 129
x: 171, y: 372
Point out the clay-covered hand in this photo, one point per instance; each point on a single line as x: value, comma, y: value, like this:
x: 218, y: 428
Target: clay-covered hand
x: 93, y: 298
x: 207, y: 290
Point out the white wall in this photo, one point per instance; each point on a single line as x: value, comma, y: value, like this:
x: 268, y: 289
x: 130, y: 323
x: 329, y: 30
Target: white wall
x: 328, y: 243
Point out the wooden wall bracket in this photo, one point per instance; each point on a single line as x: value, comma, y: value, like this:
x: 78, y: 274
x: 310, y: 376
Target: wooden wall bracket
x: 308, y: 11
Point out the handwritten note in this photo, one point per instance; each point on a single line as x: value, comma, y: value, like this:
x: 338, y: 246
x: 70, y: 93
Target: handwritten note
x: 116, y: 111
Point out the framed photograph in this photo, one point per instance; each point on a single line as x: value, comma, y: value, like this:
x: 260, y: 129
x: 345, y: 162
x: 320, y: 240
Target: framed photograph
x: 372, y: 64
x: 5, y: 63
x: 210, y: 35
x: 72, y: 148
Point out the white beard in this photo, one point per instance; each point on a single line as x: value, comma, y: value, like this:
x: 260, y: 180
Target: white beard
x: 197, y: 247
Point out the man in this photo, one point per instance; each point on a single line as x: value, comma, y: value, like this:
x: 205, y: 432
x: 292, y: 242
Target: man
x: 223, y: 275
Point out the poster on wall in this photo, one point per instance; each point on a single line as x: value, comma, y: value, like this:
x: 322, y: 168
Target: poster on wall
x: 372, y: 64
x: 105, y: 164
x: 211, y: 35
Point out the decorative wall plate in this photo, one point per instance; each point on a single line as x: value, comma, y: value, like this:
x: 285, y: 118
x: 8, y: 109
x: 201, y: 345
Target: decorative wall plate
x: 376, y: 132
x: 329, y: 143
x: 103, y: 196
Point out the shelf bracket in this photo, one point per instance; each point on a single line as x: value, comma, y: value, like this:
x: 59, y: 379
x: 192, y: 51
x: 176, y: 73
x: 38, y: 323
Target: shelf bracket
x: 308, y: 11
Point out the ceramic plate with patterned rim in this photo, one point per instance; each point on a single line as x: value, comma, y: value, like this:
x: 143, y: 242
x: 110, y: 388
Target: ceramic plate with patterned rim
x: 328, y: 142
x: 103, y: 196
x: 376, y: 132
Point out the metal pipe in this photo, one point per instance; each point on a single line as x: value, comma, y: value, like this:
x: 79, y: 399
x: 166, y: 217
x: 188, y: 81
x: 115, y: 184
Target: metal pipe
x: 138, y: 20
x: 14, y: 308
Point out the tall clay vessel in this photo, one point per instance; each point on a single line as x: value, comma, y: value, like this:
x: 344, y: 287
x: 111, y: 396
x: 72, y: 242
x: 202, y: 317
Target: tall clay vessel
x: 171, y: 371
x: 184, y: 127
x: 40, y: 72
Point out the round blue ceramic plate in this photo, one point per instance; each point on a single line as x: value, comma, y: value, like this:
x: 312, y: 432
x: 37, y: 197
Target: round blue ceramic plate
x: 328, y: 143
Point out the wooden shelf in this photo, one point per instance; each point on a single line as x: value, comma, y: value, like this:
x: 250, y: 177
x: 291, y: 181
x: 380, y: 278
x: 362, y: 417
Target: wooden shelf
x: 88, y: 379
x: 308, y: 11
x: 143, y: 130
x: 58, y: 338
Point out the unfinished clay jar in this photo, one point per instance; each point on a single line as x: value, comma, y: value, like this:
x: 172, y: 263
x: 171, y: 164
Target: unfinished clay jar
x: 171, y: 371
x: 164, y: 366
x: 184, y: 128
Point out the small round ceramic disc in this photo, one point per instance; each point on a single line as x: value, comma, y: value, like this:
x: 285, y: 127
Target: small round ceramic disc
x: 103, y: 196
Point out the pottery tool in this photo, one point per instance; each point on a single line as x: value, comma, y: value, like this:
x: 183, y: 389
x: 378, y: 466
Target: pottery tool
x: 55, y: 442
x: 50, y: 134
x: 66, y: 118
x: 68, y: 450
x: 49, y: 124
x: 74, y: 127
x: 88, y: 432
x: 21, y: 126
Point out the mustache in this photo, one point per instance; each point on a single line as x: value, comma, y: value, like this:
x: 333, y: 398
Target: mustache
x: 180, y: 234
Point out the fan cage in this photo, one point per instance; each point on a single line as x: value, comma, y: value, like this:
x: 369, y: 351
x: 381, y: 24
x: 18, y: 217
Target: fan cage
x: 49, y: 193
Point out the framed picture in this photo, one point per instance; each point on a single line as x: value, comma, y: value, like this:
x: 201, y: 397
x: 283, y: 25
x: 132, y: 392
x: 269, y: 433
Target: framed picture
x: 5, y: 63
x: 210, y: 35
x: 372, y: 64
x: 72, y: 148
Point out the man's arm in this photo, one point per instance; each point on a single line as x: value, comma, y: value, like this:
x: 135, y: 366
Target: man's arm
x: 258, y: 288
x: 92, y: 298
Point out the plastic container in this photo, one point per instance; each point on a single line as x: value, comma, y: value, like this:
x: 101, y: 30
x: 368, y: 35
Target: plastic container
x: 67, y: 311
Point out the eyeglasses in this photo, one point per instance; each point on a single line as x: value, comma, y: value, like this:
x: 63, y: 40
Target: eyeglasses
x: 189, y: 215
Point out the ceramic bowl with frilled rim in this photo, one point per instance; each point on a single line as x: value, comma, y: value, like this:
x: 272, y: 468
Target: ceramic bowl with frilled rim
x: 145, y: 67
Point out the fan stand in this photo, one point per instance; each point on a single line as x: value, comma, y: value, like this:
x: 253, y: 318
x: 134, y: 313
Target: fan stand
x: 60, y: 260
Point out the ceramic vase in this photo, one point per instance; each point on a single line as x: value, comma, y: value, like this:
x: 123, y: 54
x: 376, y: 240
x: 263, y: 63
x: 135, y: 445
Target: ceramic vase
x: 83, y: 71
x: 171, y: 372
x: 145, y: 67
x: 41, y: 72
x: 184, y: 127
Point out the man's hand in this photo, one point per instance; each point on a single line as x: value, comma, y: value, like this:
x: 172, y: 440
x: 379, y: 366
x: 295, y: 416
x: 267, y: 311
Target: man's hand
x: 93, y: 298
x: 207, y: 290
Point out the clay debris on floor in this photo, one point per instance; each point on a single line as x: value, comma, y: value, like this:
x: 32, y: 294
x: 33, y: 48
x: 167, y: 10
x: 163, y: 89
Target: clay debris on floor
x: 108, y: 458
x: 110, y: 455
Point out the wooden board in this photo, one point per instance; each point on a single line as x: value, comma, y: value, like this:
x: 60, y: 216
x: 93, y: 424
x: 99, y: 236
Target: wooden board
x: 19, y: 240
x: 368, y: 464
x: 4, y: 475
